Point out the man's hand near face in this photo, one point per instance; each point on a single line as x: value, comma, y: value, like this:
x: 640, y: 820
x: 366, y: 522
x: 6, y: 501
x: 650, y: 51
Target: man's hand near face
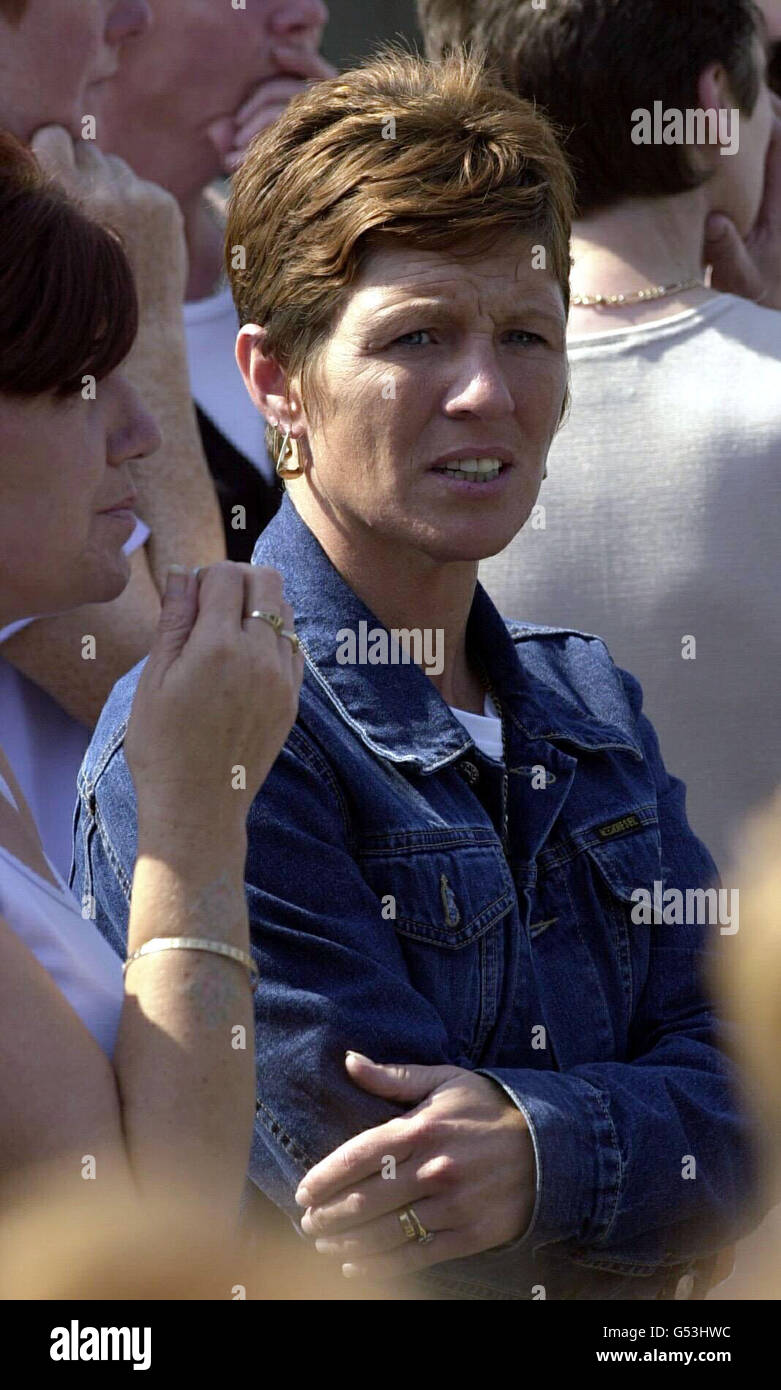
x: 751, y: 268
x: 298, y: 69
x: 463, y: 1158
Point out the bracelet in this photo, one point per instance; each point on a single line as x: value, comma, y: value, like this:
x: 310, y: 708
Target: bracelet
x: 195, y: 943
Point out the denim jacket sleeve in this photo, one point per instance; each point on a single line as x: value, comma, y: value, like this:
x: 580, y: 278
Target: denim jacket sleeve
x: 647, y: 1161
x: 333, y: 976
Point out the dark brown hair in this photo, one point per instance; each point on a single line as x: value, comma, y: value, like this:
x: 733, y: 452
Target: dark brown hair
x: 591, y: 63
x: 431, y: 153
x: 68, y: 305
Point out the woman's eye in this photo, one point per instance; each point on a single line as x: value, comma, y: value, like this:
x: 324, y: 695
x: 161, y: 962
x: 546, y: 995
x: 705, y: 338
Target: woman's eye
x: 526, y: 337
x: 417, y: 333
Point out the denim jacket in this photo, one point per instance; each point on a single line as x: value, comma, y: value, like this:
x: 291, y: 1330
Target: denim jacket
x: 411, y: 900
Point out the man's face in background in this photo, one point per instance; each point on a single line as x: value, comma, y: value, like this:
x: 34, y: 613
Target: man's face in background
x: 58, y: 59
x: 200, y: 62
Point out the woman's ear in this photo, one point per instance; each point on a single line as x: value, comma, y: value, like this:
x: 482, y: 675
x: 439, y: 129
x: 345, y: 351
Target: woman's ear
x: 264, y: 378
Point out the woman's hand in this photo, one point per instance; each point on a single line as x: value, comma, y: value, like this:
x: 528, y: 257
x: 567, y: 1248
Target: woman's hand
x: 231, y: 135
x: 463, y: 1158
x: 216, y: 700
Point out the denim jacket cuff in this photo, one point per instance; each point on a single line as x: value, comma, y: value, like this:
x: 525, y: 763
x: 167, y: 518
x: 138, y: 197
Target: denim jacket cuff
x: 577, y: 1157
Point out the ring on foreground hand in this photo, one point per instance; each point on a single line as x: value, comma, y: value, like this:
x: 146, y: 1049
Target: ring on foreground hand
x: 413, y: 1227
x: 272, y: 618
x: 291, y: 637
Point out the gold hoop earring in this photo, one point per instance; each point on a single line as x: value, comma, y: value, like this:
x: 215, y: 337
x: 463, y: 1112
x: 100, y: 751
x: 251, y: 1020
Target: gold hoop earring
x: 289, y: 463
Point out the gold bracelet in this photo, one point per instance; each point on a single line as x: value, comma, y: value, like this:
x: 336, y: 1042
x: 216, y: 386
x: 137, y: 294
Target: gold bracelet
x: 195, y: 943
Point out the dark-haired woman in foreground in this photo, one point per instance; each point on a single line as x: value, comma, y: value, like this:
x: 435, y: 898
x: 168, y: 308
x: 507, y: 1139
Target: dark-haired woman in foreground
x: 125, y: 1076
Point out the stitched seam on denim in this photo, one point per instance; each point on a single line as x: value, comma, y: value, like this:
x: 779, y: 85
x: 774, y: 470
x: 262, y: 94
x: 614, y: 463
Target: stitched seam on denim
x: 424, y: 841
x: 101, y: 763
x: 486, y: 1013
x: 601, y: 1101
x: 430, y: 932
x: 609, y: 1032
x: 382, y: 750
x: 112, y: 856
x: 277, y: 1131
x: 614, y: 1265
x: 569, y: 736
x: 618, y: 912
x: 565, y: 851
x: 302, y: 745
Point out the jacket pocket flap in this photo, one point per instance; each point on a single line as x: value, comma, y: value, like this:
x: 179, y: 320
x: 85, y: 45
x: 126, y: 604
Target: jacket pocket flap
x: 448, y: 896
x: 629, y: 863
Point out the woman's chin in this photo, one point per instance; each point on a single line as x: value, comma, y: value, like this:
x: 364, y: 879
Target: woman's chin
x: 106, y: 581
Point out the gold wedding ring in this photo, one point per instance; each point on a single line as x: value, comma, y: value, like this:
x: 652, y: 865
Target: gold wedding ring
x: 272, y: 618
x: 413, y: 1227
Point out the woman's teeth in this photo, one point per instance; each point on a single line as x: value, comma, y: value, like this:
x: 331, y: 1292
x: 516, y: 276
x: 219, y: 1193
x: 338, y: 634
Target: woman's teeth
x: 473, y: 470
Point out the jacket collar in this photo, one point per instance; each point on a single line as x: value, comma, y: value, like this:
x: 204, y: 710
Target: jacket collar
x: 395, y: 709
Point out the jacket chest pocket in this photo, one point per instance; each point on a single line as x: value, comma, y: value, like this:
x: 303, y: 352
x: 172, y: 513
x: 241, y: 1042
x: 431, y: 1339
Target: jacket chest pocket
x: 590, y: 959
x: 447, y: 901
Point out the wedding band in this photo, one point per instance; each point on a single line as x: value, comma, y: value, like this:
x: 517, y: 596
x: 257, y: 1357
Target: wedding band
x: 407, y: 1225
x: 413, y: 1227
x: 292, y: 638
x: 272, y: 618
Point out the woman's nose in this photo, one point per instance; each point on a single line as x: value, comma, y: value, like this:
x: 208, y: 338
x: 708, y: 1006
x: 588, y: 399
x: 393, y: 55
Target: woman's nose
x: 137, y: 434
x: 480, y: 388
x: 127, y: 19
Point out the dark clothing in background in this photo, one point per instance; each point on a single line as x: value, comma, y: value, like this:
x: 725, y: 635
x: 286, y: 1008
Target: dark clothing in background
x: 238, y: 483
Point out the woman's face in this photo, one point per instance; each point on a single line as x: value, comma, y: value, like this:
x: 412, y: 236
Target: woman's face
x: 435, y: 359
x: 55, y: 62
x: 66, y: 496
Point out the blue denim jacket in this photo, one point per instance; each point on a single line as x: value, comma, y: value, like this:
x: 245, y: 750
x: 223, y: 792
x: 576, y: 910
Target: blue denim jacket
x: 399, y: 908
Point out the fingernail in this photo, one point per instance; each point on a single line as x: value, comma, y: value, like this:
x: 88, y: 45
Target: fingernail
x: 361, y: 1057
x: 303, y: 1197
x: 176, y: 581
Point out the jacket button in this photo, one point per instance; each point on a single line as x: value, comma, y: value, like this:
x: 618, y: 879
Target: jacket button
x: 469, y: 772
x: 685, y: 1286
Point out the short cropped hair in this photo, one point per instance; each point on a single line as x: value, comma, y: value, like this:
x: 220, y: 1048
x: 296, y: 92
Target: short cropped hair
x: 68, y: 305
x: 591, y: 63
x: 398, y: 148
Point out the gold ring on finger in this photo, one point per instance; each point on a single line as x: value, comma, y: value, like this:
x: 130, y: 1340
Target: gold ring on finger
x: 422, y: 1236
x: 272, y: 618
x: 407, y: 1224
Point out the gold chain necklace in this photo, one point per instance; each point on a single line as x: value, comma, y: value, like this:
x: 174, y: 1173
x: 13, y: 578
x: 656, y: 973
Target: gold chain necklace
x: 613, y: 301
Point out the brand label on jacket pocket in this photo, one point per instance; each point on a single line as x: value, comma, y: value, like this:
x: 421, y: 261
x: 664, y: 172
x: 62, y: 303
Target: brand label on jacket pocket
x: 618, y: 827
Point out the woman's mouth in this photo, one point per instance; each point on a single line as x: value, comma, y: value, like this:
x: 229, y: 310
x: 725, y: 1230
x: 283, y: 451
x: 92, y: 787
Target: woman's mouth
x: 472, y: 470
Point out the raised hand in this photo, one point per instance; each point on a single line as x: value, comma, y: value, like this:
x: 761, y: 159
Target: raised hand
x: 232, y: 134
